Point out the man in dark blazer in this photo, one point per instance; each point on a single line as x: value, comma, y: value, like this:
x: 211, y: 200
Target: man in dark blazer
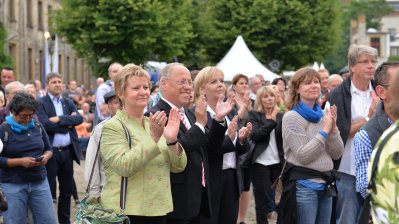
x: 190, y: 189
x: 59, y: 117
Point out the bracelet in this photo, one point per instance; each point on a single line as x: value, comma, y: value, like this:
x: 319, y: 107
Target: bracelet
x: 171, y: 143
x: 324, y: 134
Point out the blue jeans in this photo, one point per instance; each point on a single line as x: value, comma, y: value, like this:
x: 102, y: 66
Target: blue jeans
x: 37, y: 195
x: 313, y: 207
x: 349, y: 202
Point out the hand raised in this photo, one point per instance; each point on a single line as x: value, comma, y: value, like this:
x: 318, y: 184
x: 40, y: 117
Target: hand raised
x: 244, y: 132
x: 200, y: 110
x: 171, y: 130
x: 157, y: 124
x: 374, y: 102
x: 328, y: 121
x: 232, y: 129
x: 223, y: 108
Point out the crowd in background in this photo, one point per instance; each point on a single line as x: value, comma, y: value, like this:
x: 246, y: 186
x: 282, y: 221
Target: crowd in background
x: 192, y: 146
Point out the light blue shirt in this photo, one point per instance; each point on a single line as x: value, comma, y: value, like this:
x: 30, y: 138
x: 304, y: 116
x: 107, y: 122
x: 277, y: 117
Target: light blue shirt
x: 60, y: 140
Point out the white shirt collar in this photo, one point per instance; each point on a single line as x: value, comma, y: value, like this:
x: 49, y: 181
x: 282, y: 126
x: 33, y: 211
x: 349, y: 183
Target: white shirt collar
x: 356, y: 90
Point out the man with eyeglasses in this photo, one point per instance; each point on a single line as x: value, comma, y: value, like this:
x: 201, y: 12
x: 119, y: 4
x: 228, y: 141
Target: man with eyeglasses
x: 190, y: 189
x: 356, y: 103
x: 366, y: 138
x: 10, y: 90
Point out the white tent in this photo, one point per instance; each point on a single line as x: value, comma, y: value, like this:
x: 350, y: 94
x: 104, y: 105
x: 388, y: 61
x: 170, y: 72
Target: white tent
x: 240, y: 59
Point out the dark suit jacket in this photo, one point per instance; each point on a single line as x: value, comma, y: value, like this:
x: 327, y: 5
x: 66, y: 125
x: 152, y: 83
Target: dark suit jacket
x: 186, y: 186
x: 67, y: 121
x: 216, y: 157
x: 341, y: 97
x: 261, y: 129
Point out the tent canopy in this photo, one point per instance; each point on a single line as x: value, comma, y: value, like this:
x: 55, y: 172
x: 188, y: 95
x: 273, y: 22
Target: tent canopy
x: 239, y: 59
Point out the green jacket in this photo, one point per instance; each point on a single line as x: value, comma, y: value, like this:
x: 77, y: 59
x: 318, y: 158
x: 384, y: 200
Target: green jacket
x: 147, y: 165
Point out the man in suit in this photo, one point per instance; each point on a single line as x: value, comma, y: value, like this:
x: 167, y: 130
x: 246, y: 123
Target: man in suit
x: 59, y: 117
x: 190, y: 189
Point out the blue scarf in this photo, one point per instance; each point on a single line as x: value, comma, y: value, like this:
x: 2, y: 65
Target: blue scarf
x: 310, y: 114
x: 17, y: 127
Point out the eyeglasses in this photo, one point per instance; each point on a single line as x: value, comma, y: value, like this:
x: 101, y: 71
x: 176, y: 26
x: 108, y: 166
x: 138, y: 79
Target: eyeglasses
x: 184, y: 82
x: 385, y: 85
x: 26, y: 116
x: 367, y: 62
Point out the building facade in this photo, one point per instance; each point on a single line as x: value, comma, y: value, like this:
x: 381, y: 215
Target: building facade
x: 34, y: 47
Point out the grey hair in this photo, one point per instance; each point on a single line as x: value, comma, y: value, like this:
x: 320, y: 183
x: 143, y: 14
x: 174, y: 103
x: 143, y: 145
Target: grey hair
x: 381, y: 73
x: 13, y: 84
x: 251, y: 81
x: 115, y: 63
x: 355, y: 51
x: 334, y: 76
x: 165, y: 71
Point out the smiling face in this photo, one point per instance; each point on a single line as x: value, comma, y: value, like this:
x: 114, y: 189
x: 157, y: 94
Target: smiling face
x: 136, y: 93
x: 177, y: 87
x: 309, y: 90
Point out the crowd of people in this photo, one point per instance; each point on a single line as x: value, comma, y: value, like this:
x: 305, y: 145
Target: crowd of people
x: 190, y: 148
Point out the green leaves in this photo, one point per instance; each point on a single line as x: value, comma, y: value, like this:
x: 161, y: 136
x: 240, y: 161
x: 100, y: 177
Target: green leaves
x: 125, y: 31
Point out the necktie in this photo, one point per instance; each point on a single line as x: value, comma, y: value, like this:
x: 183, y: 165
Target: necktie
x: 185, y: 122
x: 183, y: 119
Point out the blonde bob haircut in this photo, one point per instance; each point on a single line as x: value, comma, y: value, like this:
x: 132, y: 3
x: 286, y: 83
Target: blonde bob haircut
x: 203, y: 77
x: 301, y: 75
x: 259, y: 95
x: 129, y: 70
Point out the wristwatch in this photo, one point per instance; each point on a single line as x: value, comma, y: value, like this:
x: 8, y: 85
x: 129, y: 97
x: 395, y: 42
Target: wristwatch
x: 367, y: 118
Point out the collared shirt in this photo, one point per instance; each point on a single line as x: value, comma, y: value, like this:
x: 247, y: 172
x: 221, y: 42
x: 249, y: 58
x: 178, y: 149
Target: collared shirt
x: 185, y: 116
x: 229, y: 158
x: 361, y: 101
x: 363, y: 150
x: 100, y: 92
x: 60, y: 140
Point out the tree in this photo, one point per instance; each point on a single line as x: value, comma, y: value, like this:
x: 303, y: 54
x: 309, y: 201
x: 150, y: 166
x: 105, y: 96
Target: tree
x: 127, y: 31
x: 5, y: 60
x: 373, y: 10
x: 295, y: 32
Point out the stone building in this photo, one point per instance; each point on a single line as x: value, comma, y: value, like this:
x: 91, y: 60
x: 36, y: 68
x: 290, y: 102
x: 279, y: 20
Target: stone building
x: 32, y: 45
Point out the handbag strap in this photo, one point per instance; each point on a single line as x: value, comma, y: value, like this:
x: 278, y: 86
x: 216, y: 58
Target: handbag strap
x: 124, y: 179
x: 94, y: 165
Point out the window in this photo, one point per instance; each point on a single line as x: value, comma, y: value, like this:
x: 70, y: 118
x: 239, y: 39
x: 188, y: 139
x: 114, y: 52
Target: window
x: 68, y: 71
x: 30, y: 64
x: 11, y: 11
x: 394, y: 51
x: 29, y: 19
x: 75, y: 70
x: 375, y: 42
x: 12, y: 50
x: 40, y: 15
x: 60, y: 64
x: 41, y: 68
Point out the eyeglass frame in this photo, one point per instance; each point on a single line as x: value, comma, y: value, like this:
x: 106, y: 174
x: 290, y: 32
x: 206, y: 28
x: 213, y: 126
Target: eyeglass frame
x: 367, y: 62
